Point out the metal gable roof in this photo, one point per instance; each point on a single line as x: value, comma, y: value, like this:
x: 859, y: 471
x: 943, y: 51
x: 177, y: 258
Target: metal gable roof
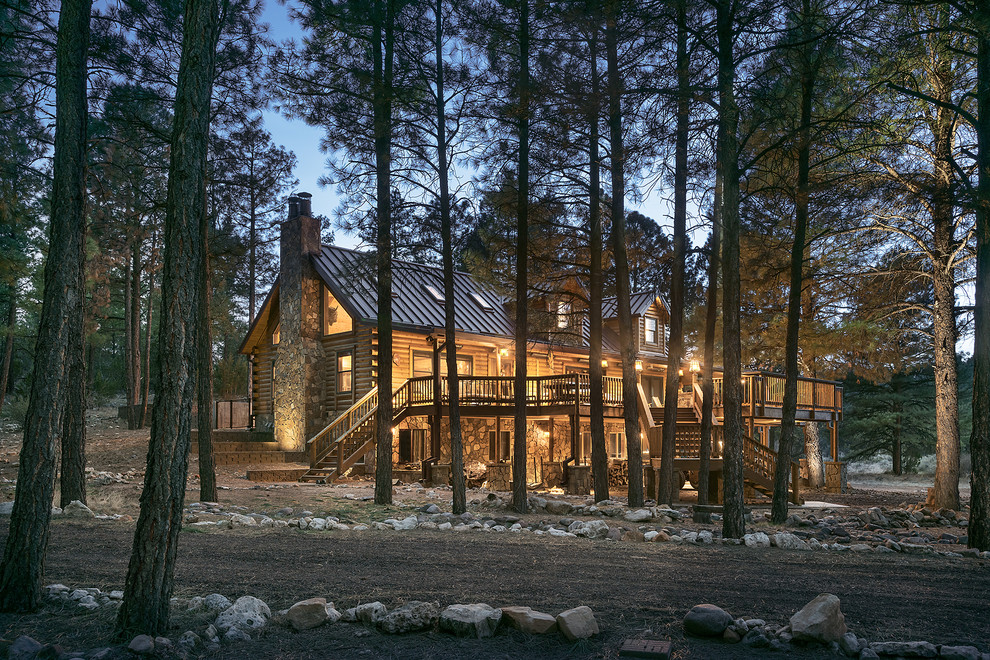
x: 351, y: 276
x: 638, y: 304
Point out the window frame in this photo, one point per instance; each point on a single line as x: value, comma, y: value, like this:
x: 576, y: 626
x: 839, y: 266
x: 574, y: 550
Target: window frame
x: 349, y: 371
x: 646, y: 330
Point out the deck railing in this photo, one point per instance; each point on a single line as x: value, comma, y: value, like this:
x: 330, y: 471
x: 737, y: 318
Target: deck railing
x: 765, y: 388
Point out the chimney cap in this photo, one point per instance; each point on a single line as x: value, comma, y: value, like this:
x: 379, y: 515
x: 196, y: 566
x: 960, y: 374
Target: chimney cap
x: 305, y: 204
x: 304, y: 195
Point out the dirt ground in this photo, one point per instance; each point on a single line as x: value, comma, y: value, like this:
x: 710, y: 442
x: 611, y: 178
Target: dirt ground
x: 637, y: 590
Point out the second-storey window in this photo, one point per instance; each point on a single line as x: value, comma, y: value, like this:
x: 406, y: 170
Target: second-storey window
x: 345, y: 372
x: 651, y: 330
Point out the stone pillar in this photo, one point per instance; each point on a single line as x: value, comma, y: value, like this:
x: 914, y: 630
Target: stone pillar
x: 298, y: 386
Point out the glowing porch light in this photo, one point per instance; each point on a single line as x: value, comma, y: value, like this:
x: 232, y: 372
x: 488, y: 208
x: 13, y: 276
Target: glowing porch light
x: 604, y: 364
x: 639, y: 365
x: 695, y: 366
x: 504, y: 352
x: 680, y: 372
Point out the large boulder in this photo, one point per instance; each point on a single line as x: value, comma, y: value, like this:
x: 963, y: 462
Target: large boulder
x: 309, y: 613
x: 246, y: 614
x: 474, y: 620
x: 529, y: 620
x: 821, y: 620
x: 756, y: 540
x: 413, y: 616
x: 577, y: 623
x: 788, y: 541
x: 592, y: 529
x: 706, y: 620
x: 558, y: 507
x: 638, y: 515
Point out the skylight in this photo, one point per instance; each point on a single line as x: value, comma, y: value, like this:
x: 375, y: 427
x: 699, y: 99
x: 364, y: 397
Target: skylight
x: 487, y: 306
x: 434, y: 293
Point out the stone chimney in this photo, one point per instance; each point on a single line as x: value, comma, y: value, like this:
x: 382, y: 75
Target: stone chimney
x: 298, y: 386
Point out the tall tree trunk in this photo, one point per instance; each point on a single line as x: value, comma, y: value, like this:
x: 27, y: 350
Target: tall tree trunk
x: 382, y: 36
x: 945, y: 491
x: 8, y: 343
x: 146, y: 385
x: 129, y: 375
x: 459, y: 504
x: 630, y: 391
x: 708, y: 369
x: 148, y: 588
x: 135, y: 329
x: 675, y: 349
x: 519, y: 503
x: 733, y: 523
x: 813, y: 454
x: 979, y: 443
x: 896, y: 457
x: 599, y: 451
x: 27, y: 538
x: 204, y: 374
x: 782, y: 473
x: 72, y: 479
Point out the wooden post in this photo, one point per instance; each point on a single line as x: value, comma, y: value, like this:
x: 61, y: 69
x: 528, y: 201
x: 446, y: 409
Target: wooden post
x: 435, y: 423
x: 833, y: 430
x: 795, y: 482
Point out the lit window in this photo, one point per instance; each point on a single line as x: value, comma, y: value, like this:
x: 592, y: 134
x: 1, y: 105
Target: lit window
x: 651, y: 330
x: 422, y: 364
x: 345, y: 372
x: 563, y: 314
x: 499, y: 446
x: 277, y: 335
x: 617, y: 445
x: 465, y: 365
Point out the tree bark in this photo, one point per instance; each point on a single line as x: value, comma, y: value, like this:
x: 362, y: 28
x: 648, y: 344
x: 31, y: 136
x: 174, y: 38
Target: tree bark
x: 130, y: 386
x: 782, y: 473
x: 382, y: 46
x: 72, y: 479
x: 148, y: 588
x: 135, y: 328
x: 979, y: 443
x: 708, y: 381
x: 519, y: 455
x: 459, y: 482
x: 599, y: 451
x: 8, y: 343
x: 626, y: 339
x: 733, y: 523
x: 675, y: 349
x: 146, y: 386
x: 204, y: 374
x: 27, y: 539
x: 813, y: 454
x: 945, y: 491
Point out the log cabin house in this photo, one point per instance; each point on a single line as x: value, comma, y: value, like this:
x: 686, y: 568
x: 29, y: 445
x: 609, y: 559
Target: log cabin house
x: 314, y: 352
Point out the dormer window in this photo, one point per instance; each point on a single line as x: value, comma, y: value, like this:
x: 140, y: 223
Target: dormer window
x: 434, y: 293
x: 563, y: 315
x: 650, y: 332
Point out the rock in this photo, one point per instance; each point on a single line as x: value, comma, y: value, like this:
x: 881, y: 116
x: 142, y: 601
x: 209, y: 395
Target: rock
x: 577, y: 623
x: 76, y: 509
x: 318, y: 524
x: 215, y: 602
x: 309, y: 613
x: 592, y: 529
x: 958, y: 652
x: 756, y: 639
x: 849, y: 645
x: 236, y: 635
x: 558, y: 507
x: 706, y: 620
x: 366, y: 613
x: 444, y: 526
x: 247, y: 613
x: 6, y: 508
x: 788, y: 541
x: 868, y: 654
x: 189, y: 641
x: 731, y: 636
x: 413, y: 616
x: 821, y: 620
x: 474, y: 620
x: 756, y: 540
x: 237, y: 520
x: 142, y: 645
x: 529, y: 620
x: 24, y: 648
x: 638, y: 515
x: 633, y: 535
x: 705, y: 537
x: 405, y: 524
x: 905, y: 649
x: 651, y: 536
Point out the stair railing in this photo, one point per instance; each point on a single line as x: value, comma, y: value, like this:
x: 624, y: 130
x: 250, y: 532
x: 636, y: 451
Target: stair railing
x: 323, y: 442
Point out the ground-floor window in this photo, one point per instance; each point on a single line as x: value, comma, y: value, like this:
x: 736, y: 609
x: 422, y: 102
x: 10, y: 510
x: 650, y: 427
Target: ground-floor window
x: 617, y: 445
x: 499, y: 445
x: 584, y: 450
x: 412, y: 445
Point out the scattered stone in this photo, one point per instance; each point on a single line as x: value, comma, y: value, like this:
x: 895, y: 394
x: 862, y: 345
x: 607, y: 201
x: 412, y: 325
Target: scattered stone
x: 904, y: 649
x: 247, y: 613
x: 731, y: 636
x: 706, y: 620
x: 405, y: 524
x: 529, y: 620
x: 821, y: 620
x: 24, y: 648
x: 756, y: 639
x: 237, y: 520
x: 76, y: 509
x: 474, y: 620
x: 7, y: 508
x: 189, y: 641
x: 236, y: 635
x: 849, y: 645
x: 366, y: 613
x: 958, y: 652
x: 309, y: 613
x: 638, y: 515
x: 577, y: 623
x: 788, y: 541
x: 558, y: 507
x: 413, y: 616
x: 215, y: 602
x: 142, y: 645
